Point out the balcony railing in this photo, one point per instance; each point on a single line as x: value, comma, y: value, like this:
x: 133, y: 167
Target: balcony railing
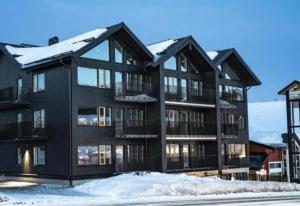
x: 182, y: 94
x: 234, y: 161
x: 232, y: 130
x: 229, y: 100
x: 136, y: 128
x: 135, y: 92
x: 190, y: 128
x: 11, y: 96
x: 22, y: 130
x: 192, y: 162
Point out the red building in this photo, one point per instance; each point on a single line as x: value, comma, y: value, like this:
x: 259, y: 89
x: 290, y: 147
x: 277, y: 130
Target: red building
x: 267, y: 159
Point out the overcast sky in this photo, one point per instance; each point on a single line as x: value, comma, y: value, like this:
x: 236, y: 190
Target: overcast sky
x: 265, y: 33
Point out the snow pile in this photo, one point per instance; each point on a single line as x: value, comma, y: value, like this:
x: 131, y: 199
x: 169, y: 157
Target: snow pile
x: 157, y: 48
x: 267, y: 121
x: 212, y: 54
x: 32, y: 54
x: 3, y: 198
x: 162, y: 185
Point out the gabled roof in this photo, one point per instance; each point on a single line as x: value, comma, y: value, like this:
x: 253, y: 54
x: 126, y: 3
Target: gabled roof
x: 165, y: 49
x: 271, y: 146
x: 29, y: 56
x: 289, y: 86
x: 244, y: 71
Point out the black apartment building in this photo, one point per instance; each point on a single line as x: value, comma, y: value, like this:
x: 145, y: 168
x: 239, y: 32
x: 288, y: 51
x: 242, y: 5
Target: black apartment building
x: 103, y: 103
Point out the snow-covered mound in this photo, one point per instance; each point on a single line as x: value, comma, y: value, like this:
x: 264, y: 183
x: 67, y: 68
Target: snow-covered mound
x: 267, y: 121
x: 3, y: 198
x: 162, y: 185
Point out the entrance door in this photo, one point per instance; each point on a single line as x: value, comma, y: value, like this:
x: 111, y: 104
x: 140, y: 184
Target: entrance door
x: 119, y: 159
x: 186, y: 156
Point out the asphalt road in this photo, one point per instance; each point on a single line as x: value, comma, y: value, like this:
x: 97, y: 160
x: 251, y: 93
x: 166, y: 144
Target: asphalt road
x: 277, y: 200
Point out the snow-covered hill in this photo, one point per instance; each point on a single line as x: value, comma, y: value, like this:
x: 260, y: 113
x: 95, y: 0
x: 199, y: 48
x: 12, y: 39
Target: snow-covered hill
x: 267, y: 121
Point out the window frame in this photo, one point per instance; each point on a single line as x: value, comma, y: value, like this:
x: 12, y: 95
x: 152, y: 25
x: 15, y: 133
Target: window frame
x: 104, y: 60
x: 36, y: 155
x: 117, y: 43
x: 105, y: 155
x: 36, y: 80
x: 42, y: 122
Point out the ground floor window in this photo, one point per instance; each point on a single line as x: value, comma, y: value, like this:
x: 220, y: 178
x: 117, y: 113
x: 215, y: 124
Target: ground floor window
x: 87, y: 155
x: 19, y: 156
x: 105, y: 155
x: 172, y: 151
x: 135, y: 153
x: 39, y: 155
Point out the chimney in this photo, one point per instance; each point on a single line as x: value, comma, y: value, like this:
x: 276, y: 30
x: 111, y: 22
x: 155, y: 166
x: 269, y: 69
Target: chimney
x: 53, y: 40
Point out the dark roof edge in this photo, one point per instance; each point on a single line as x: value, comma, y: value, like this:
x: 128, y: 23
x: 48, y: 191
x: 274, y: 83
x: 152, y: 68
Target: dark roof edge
x: 265, y: 145
x: 284, y: 90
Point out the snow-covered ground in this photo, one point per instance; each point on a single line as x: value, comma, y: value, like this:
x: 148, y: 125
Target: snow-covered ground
x: 147, y: 187
x: 267, y: 121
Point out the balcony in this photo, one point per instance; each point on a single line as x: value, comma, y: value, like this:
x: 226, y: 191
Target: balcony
x: 232, y: 131
x: 20, y: 131
x: 187, y: 130
x: 128, y: 92
x: 136, y: 129
x: 181, y: 94
x: 229, y: 100
x: 234, y: 161
x: 11, y: 97
x: 199, y: 162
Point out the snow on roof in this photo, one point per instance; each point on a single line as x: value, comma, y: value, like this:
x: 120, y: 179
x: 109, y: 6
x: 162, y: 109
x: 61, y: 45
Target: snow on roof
x: 32, y: 54
x: 267, y: 121
x: 159, y: 47
x: 212, y: 54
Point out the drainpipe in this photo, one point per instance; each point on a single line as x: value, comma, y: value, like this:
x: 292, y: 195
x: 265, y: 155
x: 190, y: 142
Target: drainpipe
x: 70, y: 122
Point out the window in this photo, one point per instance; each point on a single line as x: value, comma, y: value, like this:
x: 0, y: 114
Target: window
x: 20, y: 88
x: 236, y: 150
x: 87, y: 116
x: 104, y: 116
x: 39, y: 155
x: 196, y: 88
x: 39, y: 82
x: 87, y: 155
x: 105, y: 155
x: 104, y: 78
x: 134, y: 82
x: 87, y: 76
x: 100, y: 52
x: 183, y: 85
x: 130, y: 60
x: 231, y: 93
x: 19, y: 156
x: 172, y: 151
x: 170, y: 63
x: 19, y: 118
x: 135, y: 153
x: 118, y: 52
x: 237, y: 121
x: 183, y: 63
x: 197, y: 119
x: 172, y: 118
x: 39, y: 118
x: 171, y: 85
x: 135, y: 117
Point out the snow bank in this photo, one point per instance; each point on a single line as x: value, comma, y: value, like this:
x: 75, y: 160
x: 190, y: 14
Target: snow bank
x: 267, y: 121
x: 32, y: 54
x: 162, y: 185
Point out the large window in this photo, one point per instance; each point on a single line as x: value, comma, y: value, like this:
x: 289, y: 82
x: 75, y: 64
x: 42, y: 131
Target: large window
x: 237, y: 121
x: 100, y: 52
x: 183, y: 84
x: 197, y: 119
x: 104, y: 116
x: 231, y: 93
x: 171, y: 85
x: 105, y: 155
x: 39, y: 155
x: 170, y: 63
x: 118, y: 52
x: 172, y: 118
x: 94, y: 77
x: 135, y: 153
x: 87, y: 76
x: 134, y: 82
x: 196, y: 88
x: 88, y: 155
x: 104, y: 78
x: 87, y: 116
x: 39, y: 82
x: 236, y: 150
x: 183, y: 63
x: 39, y: 118
x: 172, y: 151
x: 135, y: 117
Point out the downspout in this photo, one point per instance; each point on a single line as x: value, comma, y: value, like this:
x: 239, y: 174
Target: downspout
x: 70, y: 122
